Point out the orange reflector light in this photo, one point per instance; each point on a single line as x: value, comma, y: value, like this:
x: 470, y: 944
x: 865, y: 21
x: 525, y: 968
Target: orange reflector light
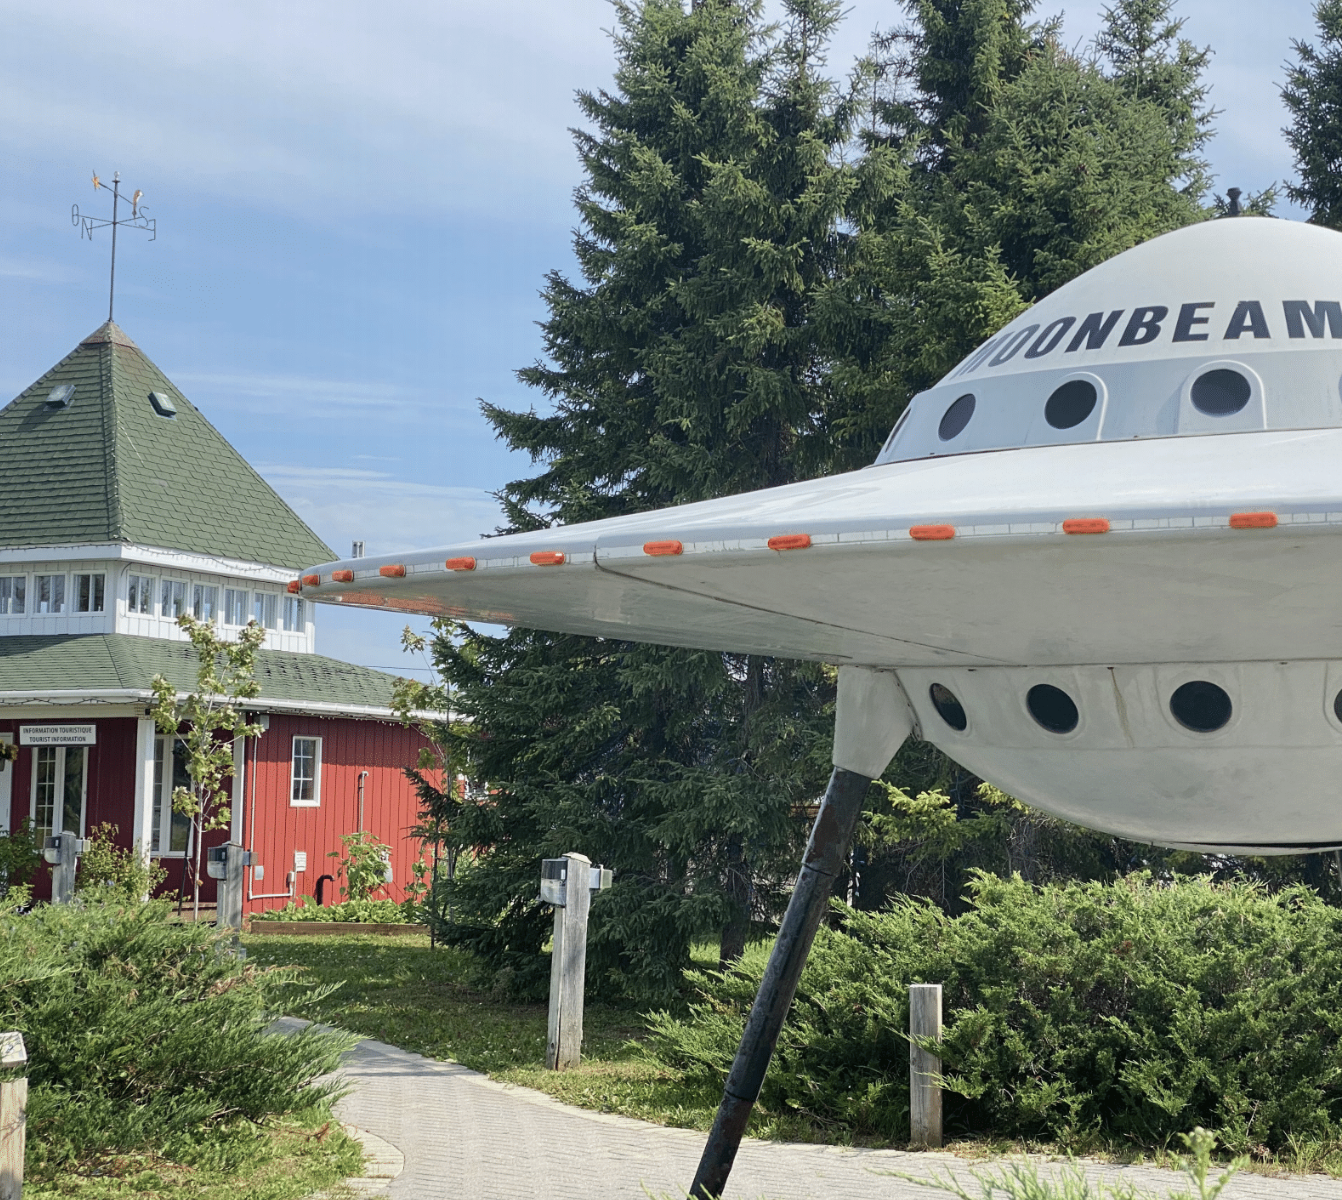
x: 460, y: 564
x: 342, y: 576
x: 1086, y: 525
x: 790, y: 541
x: 294, y: 586
x: 657, y: 549
x: 547, y: 558
x: 392, y: 571
x: 931, y: 533
x: 312, y: 580
x: 1253, y: 520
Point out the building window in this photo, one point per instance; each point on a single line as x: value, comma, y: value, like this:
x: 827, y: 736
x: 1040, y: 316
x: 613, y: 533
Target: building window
x: 140, y: 594
x: 172, y: 830
x: 50, y: 593
x: 13, y: 594
x: 204, y: 602
x: 89, y: 593
x: 266, y: 610
x: 60, y: 775
x: 294, y: 616
x: 235, y: 606
x: 306, y: 786
x: 174, y: 598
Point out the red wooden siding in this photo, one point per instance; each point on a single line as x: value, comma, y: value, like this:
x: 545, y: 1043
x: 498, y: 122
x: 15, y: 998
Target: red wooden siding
x: 349, y: 746
x: 271, y: 825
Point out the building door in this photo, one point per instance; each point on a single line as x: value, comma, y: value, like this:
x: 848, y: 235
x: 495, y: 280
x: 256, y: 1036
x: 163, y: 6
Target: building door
x: 6, y: 784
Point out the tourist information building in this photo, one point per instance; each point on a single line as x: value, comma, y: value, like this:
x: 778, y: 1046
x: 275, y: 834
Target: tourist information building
x: 121, y: 507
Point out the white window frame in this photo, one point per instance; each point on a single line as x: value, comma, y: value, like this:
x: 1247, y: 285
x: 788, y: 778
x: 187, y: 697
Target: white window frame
x: 163, y: 781
x: 59, y: 754
x: 266, y: 604
x: 57, y: 586
x: 316, y: 800
x: 294, y: 617
x: 140, y: 588
x: 22, y: 586
x: 229, y: 593
x: 97, y: 591
x: 168, y: 597
x: 200, y: 592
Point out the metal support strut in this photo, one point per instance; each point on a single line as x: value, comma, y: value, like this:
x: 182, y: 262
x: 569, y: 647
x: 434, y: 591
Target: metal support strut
x: 872, y: 720
x: 825, y: 855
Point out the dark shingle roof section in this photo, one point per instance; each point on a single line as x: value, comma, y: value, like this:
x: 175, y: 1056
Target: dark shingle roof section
x: 108, y: 468
x: 119, y: 661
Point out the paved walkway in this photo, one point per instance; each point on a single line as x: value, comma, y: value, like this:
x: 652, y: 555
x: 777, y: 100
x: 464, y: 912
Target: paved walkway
x: 465, y: 1137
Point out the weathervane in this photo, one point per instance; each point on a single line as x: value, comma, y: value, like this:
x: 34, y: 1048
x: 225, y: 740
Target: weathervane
x: 137, y: 220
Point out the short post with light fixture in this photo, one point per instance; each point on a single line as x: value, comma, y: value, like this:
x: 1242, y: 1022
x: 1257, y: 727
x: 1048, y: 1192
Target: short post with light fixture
x: 568, y: 884
x: 227, y: 864
x: 62, y: 851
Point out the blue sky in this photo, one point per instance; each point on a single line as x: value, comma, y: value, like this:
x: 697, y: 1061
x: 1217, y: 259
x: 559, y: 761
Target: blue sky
x: 357, y: 205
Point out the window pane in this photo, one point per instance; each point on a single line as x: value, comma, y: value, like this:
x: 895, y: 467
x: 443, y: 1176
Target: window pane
x: 181, y: 823
x: 140, y: 596
x: 266, y: 609
x: 235, y: 606
x: 304, y: 771
x: 89, y: 593
x: 6, y: 593
x: 72, y: 806
x: 293, y: 614
x: 44, y: 791
x: 204, y: 601
x: 50, y: 593
x: 20, y: 594
x: 156, y: 837
x: 174, y: 598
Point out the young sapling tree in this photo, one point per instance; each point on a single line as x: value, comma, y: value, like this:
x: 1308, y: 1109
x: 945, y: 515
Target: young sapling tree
x: 224, y: 679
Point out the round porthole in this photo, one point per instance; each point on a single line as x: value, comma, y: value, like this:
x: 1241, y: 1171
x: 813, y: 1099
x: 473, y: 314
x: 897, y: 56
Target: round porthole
x: 1337, y: 706
x: 1201, y: 706
x: 1220, y: 392
x: 955, y: 418
x: 948, y: 707
x: 1053, y: 708
x: 1071, y: 403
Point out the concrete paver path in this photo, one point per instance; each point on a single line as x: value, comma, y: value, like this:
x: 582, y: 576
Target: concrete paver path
x: 465, y: 1137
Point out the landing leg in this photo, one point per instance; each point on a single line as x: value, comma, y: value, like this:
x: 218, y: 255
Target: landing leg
x: 872, y: 720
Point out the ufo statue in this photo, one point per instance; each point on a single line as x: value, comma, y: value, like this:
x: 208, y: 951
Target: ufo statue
x: 1099, y: 564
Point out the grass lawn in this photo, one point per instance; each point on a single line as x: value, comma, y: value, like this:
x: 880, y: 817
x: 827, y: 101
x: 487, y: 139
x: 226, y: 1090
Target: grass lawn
x: 285, y: 1161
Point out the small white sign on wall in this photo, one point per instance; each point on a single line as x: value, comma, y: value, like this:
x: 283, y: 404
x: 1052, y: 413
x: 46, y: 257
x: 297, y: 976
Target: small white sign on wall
x: 58, y: 735
x: 300, y: 861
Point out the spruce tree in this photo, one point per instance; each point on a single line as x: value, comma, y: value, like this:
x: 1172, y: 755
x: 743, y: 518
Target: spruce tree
x: 1313, y: 97
x: 683, y: 365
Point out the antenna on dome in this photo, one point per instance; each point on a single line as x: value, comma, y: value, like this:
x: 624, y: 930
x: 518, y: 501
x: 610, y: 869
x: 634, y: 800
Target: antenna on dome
x: 136, y: 220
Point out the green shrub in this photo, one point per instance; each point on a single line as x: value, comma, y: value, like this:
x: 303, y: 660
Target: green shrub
x: 363, y: 869
x: 1118, y: 1012
x: 108, y: 872
x: 385, y: 912
x: 146, y: 1036
x: 19, y: 856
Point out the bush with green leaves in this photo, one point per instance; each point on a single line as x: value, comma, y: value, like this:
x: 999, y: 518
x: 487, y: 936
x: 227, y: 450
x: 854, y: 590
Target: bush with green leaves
x: 19, y: 856
x: 147, y: 1036
x: 110, y: 872
x: 362, y: 870
x: 1074, y: 1013
x: 382, y: 912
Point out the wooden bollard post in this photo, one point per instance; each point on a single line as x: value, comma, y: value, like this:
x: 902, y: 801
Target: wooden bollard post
x: 13, y: 1117
x: 924, y: 1067
x: 568, y: 884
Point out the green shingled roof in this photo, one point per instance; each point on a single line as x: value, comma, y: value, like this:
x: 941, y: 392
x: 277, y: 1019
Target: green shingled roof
x: 121, y: 662
x: 109, y: 468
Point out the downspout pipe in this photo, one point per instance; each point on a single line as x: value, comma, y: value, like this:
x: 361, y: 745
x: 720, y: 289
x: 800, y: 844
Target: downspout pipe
x: 362, y: 776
